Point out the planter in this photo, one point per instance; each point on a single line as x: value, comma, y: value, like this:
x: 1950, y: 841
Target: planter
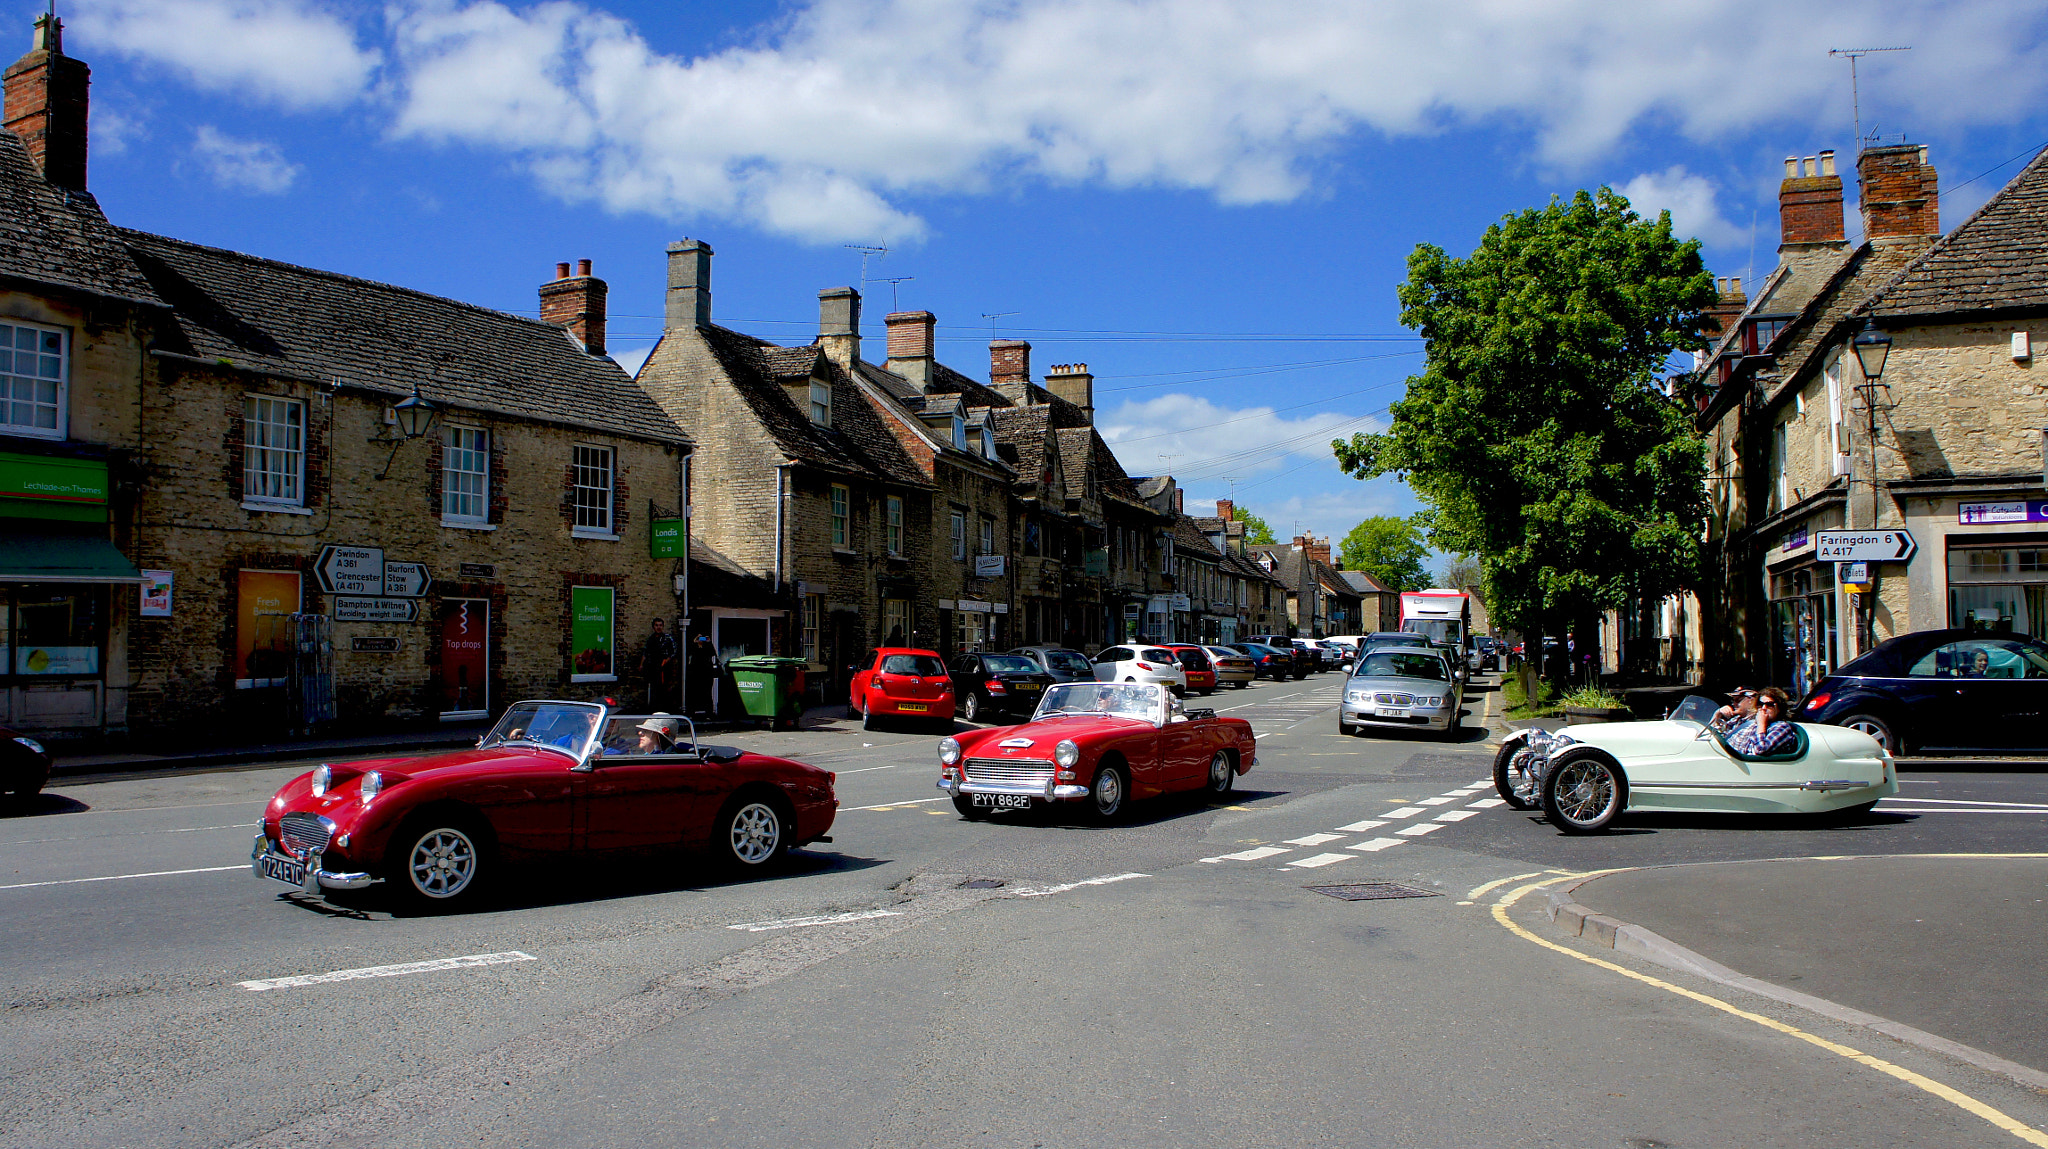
x: 1577, y: 714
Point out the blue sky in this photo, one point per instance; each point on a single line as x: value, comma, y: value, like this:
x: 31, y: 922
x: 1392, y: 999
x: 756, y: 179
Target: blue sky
x: 1209, y: 202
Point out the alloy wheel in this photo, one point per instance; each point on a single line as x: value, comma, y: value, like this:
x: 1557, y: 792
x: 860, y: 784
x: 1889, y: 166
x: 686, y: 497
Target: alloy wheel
x: 443, y: 863
x: 756, y: 832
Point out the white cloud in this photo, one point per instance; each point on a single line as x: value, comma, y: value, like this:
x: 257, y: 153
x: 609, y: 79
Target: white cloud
x: 112, y: 128
x: 298, y: 54
x: 848, y: 108
x: 243, y: 165
x: 1691, y: 201
x: 1190, y: 437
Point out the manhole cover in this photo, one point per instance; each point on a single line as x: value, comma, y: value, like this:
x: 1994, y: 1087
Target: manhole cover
x: 1372, y: 891
x: 981, y: 884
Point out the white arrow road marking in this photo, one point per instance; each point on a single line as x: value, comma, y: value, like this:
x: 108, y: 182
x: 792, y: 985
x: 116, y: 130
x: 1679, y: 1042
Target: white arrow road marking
x: 819, y: 920
x: 468, y: 962
x: 1251, y: 855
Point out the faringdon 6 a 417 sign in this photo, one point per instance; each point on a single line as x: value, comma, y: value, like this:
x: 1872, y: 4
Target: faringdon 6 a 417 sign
x: 1894, y: 546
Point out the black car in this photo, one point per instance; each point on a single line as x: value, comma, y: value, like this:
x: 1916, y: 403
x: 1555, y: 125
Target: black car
x: 24, y: 765
x: 1065, y: 664
x: 997, y: 684
x: 1965, y: 689
x: 1271, y: 661
x: 1302, y: 663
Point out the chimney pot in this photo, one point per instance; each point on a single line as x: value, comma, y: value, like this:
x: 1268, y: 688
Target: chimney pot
x: 583, y: 267
x: 576, y: 304
x: 1827, y: 162
x: 689, y: 285
x: 561, y: 271
x: 1810, y: 202
x: 1791, y: 167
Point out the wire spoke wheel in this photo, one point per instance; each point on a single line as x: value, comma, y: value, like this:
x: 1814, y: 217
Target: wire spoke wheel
x: 442, y: 863
x: 1582, y: 794
x: 755, y: 833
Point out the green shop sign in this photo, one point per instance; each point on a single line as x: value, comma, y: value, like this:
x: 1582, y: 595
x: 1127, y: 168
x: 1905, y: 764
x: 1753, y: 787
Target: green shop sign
x: 590, y: 633
x: 668, y: 538
x: 42, y: 487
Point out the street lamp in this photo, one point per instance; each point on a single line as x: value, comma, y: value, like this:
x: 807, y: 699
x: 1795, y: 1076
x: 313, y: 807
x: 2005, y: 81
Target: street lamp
x: 415, y: 412
x: 1872, y: 348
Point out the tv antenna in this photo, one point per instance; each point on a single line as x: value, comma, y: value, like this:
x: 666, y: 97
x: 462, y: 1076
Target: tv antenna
x: 1165, y: 460
x: 1855, y: 96
x: 892, y: 289
x: 867, y: 251
x: 993, y: 316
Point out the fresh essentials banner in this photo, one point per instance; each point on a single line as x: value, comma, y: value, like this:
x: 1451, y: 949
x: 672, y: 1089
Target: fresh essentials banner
x: 590, y: 632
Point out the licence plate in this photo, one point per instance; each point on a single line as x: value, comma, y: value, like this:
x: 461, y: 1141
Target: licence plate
x: 1392, y: 712
x: 283, y: 869
x: 917, y: 707
x: 1000, y: 801
x: 1026, y: 688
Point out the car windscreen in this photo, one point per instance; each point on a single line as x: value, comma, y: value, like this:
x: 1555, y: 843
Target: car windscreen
x: 1435, y: 629
x: 1069, y: 662
x: 922, y: 665
x: 1400, y: 664
x: 1008, y: 664
x: 1192, y: 659
x: 561, y: 725
x: 1138, y: 700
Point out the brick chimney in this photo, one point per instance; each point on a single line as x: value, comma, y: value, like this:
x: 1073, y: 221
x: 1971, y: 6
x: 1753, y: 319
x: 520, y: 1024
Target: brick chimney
x: 1314, y: 548
x: 839, y: 325
x: 689, y: 285
x: 1072, y: 382
x: 1899, y: 191
x: 1729, y: 304
x: 1179, y: 501
x: 1009, y: 361
x: 1810, y: 201
x: 1226, y: 510
x: 577, y: 303
x: 46, y: 105
x: 910, y: 346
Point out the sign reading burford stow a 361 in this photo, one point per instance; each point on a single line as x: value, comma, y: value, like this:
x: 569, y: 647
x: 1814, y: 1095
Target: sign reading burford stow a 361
x: 1880, y: 546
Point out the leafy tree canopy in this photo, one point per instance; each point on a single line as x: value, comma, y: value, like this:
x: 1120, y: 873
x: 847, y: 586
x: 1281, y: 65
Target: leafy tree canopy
x: 1391, y: 550
x: 1461, y: 572
x: 1255, y: 529
x: 1538, y: 435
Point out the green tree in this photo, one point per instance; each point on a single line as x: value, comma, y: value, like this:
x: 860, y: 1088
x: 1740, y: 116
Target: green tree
x: 1255, y: 529
x: 1461, y: 572
x: 1538, y: 435
x: 1391, y: 550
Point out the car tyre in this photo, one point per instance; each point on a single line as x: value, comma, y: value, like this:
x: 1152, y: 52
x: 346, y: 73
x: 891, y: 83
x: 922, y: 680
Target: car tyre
x: 1877, y: 728
x: 965, y: 805
x: 752, y: 834
x: 1109, y: 793
x: 1222, y: 775
x: 441, y: 863
x: 1583, y: 793
x: 867, y: 718
x: 1503, y: 784
x: 970, y: 707
x: 1346, y: 728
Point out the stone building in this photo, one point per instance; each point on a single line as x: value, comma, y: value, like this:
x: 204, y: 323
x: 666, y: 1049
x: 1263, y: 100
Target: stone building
x: 223, y: 513
x: 1300, y: 568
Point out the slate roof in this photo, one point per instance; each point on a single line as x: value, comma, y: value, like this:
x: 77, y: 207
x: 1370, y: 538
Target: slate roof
x: 1289, y: 564
x: 1239, y: 564
x: 297, y: 322
x: 946, y: 381
x: 1364, y: 583
x: 1024, y: 430
x: 1997, y: 260
x: 1110, y: 478
x: 855, y: 444
x: 1187, y: 537
x: 1077, y: 452
x: 57, y: 238
x: 1332, y: 579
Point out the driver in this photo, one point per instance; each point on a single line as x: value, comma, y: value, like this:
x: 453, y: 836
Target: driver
x: 1741, y: 707
x: 1766, y: 731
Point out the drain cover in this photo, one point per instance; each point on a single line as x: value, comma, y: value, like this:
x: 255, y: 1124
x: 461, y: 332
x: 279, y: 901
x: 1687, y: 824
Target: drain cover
x: 980, y: 884
x: 1372, y: 891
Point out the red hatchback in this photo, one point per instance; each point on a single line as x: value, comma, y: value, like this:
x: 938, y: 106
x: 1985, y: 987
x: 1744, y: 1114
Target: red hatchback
x: 901, y: 682
x: 1200, y: 670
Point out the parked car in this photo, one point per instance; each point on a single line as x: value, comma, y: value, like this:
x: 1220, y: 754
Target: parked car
x: 1586, y: 776
x: 1233, y: 667
x: 901, y: 682
x: 1962, y: 689
x: 1343, y: 653
x: 1142, y: 663
x: 552, y: 780
x: 1302, y: 663
x: 1194, y: 662
x: 1100, y: 744
x: 1271, y: 661
x: 1404, y: 687
x: 24, y: 765
x: 1000, y: 685
x: 1489, y: 653
x: 1063, y: 663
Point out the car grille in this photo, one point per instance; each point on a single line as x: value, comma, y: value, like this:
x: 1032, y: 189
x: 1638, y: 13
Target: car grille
x: 303, y: 833
x: 1009, y: 772
x: 1385, y: 699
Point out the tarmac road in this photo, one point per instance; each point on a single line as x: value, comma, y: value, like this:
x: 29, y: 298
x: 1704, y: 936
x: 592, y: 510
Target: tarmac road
x: 1170, y: 981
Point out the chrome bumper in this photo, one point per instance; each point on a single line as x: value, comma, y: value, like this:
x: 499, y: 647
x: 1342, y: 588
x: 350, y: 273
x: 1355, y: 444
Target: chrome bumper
x: 317, y: 879
x: 1049, y: 792
x: 1352, y: 713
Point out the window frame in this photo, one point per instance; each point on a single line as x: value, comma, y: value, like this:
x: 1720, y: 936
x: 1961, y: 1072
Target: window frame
x: 959, y: 526
x: 840, y: 502
x: 10, y: 379
x: 295, y: 475
x: 988, y: 534
x: 813, y: 616
x: 578, y: 528
x: 821, y: 399
x: 482, y: 494
x: 892, y: 525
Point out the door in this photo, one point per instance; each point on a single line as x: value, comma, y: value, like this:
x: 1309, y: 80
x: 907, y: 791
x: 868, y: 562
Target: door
x: 1105, y: 665
x: 638, y: 794
x: 1183, y: 748
x: 465, y: 657
x: 1995, y: 687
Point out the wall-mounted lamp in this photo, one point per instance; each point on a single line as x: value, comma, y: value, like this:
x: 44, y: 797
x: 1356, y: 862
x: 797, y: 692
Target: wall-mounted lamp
x: 1872, y: 348
x: 410, y: 418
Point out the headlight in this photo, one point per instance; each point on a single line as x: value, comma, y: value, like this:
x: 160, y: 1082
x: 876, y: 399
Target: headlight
x: 373, y: 785
x: 949, y: 752
x: 31, y: 743
x: 323, y: 777
x: 1066, y: 754
x: 1354, y: 696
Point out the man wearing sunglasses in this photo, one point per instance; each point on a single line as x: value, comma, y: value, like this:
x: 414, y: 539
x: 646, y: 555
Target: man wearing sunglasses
x: 1741, y: 707
x: 1765, y: 731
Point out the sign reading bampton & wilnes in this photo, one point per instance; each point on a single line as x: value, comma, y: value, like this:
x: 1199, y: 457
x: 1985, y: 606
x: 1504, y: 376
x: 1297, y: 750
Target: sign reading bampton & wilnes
x: 376, y: 610
x: 350, y: 570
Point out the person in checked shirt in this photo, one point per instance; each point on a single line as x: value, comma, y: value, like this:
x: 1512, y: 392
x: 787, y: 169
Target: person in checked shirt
x: 1765, y: 732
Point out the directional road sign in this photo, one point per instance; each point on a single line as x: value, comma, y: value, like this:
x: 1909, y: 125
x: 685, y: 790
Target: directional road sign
x: 350, y: 570
x: 376, y: 610
x: 1894, y: 546
x: 406, y: 580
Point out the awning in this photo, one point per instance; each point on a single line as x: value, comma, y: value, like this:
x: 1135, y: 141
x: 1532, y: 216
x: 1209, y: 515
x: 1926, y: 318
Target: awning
x: 50, y: 553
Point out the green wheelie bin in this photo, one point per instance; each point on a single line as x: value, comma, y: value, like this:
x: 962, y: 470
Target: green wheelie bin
x: 771, y: 687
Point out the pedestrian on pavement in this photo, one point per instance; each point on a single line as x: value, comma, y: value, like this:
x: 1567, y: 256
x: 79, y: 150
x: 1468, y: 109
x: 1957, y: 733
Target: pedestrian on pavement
x: 703, y: 667
x: 1765, y: 732
x: 1742, y: 704
x: 658, y: 664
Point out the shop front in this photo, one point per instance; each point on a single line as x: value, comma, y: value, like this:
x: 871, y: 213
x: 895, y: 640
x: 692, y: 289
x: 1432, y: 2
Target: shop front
x: 1806, y: 609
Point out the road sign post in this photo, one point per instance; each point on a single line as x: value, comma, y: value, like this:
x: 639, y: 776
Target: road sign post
x: 1879, y: 546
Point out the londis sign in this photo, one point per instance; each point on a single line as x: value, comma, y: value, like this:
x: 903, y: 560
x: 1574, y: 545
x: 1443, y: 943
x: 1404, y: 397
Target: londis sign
x: 668, y: 538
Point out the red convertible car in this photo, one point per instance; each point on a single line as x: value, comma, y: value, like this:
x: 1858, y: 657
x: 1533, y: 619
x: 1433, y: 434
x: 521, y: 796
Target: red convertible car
x: 551, y: 780
x: 1100, y: 743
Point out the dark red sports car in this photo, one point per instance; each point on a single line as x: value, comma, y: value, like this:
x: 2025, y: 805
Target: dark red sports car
x: 551, y: 780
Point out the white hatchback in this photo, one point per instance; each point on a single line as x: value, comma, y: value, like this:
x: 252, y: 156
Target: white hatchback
x: 1140, y: 664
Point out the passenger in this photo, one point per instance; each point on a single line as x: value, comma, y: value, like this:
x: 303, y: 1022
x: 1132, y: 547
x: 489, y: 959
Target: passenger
x: 1981, y: 666
x: 1766, y: 732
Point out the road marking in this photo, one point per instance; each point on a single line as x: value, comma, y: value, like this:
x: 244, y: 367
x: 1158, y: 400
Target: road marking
x: 1954, y: 1097
x: 1487, y: 803
x: 1251, y: 855
x: 1434, y: 801
x: 1061, y: 889
x: 870, y: 769
x: 1965, y: 802
x: 1377, y: 844
x: 1497, y: 883
x: 1456, y: 815
x: 1403, y: 812
x: 129, y: 834
x: 1362, y: 827
x: 1418, y: 831
x: 893, y: 805
x: 1313, y: 839
x: 1322, y: 860
x: 819, y: 920
x: 1473, y: 789
x: 470, y: 961
x: 1952, y: 810
x: 125, y: 877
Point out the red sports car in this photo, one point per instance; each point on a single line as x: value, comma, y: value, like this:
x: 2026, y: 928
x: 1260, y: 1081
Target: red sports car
x: 551, y: 780
x: 901, y: 682
x: 1099, y: 743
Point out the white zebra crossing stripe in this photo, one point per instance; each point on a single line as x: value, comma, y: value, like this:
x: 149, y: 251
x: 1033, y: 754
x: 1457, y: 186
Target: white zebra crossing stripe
x: 1313, y: 839
x: 1322, y: 860
x: 1403, y: 812
x: 1376, y: 845
x: 1251, y: 855
x: 1418, y: 831
x: 1487, y: 803
x: 1435, y: 801
x: 1456, y: 815
x: 1362, y: 827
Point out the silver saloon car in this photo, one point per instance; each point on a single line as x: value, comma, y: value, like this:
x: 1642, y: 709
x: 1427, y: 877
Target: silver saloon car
x: 1407, y: 687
